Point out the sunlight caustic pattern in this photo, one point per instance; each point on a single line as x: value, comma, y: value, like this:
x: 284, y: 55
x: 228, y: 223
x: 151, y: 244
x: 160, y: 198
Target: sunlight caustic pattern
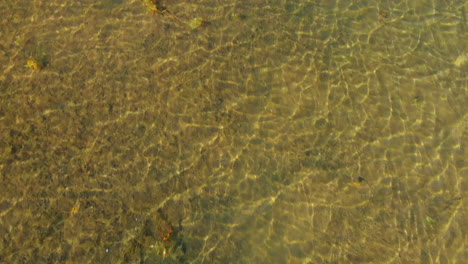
x: 233, y: 132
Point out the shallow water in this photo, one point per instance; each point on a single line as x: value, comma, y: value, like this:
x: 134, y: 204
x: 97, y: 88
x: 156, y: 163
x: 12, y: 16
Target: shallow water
x: 274, y: 132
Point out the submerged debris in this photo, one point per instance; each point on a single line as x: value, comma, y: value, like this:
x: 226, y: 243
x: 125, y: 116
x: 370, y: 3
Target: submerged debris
x: 196, y: 23
x: 34, y: 64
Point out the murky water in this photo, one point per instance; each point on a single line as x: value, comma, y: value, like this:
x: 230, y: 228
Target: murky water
x: 223, y: 131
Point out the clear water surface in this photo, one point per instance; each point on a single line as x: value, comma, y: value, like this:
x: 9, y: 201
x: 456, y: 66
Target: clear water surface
x: 218, y: 131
